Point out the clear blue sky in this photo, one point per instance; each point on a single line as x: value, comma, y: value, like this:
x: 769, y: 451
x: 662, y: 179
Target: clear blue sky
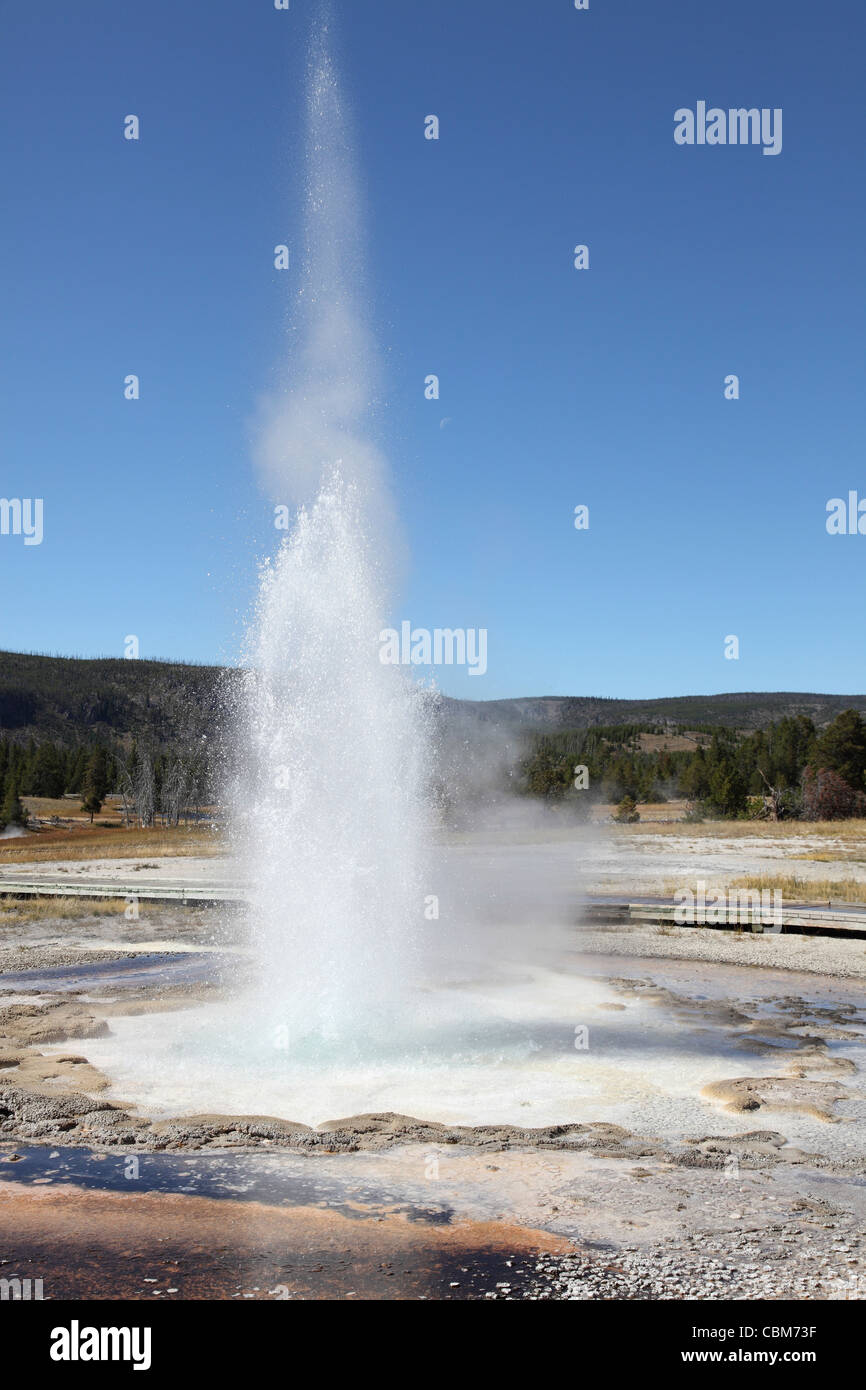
x: 559, y: 387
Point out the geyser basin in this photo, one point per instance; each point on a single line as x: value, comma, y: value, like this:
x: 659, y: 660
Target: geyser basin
x: 506, y: 1051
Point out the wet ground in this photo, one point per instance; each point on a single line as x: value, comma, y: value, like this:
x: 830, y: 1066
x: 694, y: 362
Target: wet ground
x: 95, y: 1226
x: 766, y: 1199
x: 434, y: 1223
x: 392, y: 1208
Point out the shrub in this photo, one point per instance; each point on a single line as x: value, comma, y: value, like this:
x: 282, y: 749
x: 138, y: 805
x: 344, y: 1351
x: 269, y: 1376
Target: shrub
x: 826, y: 796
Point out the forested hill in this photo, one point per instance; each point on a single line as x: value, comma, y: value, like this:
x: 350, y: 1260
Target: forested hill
x: 70, y: 700
x: 745, y: 711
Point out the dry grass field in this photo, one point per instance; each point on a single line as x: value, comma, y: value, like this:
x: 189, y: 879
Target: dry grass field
x: 98, y: 842
x: 651, y: 812
x: 824, y: 891
x: 852, y: 832
x: 68, y: 808
x: 14, y: 912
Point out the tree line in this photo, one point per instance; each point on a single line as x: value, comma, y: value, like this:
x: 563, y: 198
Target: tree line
x: 788, y: 770
x: 162, y: 787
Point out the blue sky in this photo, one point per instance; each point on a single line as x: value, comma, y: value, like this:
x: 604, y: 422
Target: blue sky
x: 559, y: 387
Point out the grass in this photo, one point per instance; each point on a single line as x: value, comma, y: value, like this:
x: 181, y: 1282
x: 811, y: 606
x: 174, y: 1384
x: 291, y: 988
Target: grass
x: 68, y: 808
x: 847, y: 856
x: 96, y: 842
x: 798, y: 890
x: 847, y: 830
x: 667, y: 811
x: 13, y: 913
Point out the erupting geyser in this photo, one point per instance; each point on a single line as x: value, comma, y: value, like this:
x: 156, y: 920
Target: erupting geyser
x: 358, y: 1001
x: 334, y: 768
x: 329, y: 795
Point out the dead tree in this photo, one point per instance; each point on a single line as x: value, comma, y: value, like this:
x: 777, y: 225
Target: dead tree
x: 776, y: 797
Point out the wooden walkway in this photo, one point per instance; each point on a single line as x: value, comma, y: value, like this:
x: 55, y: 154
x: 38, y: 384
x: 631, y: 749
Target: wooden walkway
x: 169, y: 890
x: 794, y: 918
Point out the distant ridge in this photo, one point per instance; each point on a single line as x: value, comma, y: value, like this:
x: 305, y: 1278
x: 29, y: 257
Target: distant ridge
x: 740, y: 710
x: 71, y: 699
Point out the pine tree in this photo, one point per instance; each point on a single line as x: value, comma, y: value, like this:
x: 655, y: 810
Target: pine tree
x: 694, y: 780
x: 627, y: 812
x: 842, y: 749
x: 12, y: 812
x: 76, y: 763
x: 47, y: 773
x: 728, y: 788
x: 95, y: 783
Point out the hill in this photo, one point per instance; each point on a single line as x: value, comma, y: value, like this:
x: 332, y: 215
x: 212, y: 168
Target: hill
x: 745, y: 711
x: 70, y: 699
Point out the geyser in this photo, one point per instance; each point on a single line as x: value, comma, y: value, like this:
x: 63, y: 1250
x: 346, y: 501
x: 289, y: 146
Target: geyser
x: 333, y: 770
x: 328, y: 795
x: 359, y: 1000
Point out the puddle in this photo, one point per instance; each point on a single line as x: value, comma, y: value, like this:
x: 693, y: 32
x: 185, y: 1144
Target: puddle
x: 156, y: 970
x: 272, y: 1180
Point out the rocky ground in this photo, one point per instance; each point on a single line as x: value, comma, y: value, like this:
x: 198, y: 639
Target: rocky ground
x: 427, y: 1211
x: 436, y: 1220
x: 569, y: 1212
x: 720, y: 1269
